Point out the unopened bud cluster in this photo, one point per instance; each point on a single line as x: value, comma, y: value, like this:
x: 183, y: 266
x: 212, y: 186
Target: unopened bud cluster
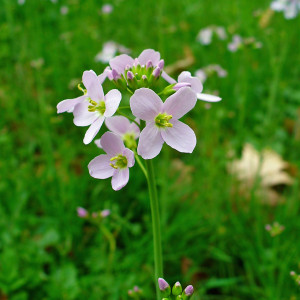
x: 94, y: 216
x: 135, y: 293
x: 176, y: 292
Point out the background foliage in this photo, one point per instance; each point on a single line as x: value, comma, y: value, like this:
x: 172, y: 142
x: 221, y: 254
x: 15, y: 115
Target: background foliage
x: 213, y: 233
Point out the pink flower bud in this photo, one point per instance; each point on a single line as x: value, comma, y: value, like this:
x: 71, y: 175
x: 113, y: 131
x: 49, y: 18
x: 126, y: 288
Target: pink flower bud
x: 81, y: 212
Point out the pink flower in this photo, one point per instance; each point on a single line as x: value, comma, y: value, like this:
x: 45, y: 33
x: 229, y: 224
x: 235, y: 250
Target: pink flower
x: 162, y: 123
x: 82, y: 212
x: 115, y: 163
x: 96, y: 108
x: 196, y: 86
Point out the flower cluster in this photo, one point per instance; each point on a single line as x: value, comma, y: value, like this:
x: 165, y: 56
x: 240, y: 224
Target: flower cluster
x: 296, y: 277
x: 290, y: 8
x: 152, y: 118
x: 274, y: 229
x: 176, y: 291
x: 84, y: 214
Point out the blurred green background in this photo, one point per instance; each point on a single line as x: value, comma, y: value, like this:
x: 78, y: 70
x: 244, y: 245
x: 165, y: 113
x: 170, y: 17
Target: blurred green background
x: 213, y: 222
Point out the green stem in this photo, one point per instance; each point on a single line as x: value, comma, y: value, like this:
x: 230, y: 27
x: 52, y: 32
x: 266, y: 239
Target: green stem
x: 137, y: 158
x: 155, y: 224
x: 112, y: 244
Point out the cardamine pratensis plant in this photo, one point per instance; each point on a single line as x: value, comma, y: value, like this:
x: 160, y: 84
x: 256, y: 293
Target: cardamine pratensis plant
x: 152, y: 119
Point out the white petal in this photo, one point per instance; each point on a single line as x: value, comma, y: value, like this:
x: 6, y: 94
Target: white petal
x: 112, y: 101
x: 180, y: 137
x: 100, y: 167
x: 145, y: 104
x: 149, y: 54
x: 69, y: 104
x: 196, y: 84
x: 168, y: 78
x: 83, y: 117
x: 130, y: 157
x: 120, y: 178
x: 120, y: 62
x: 208, y: 98
x: 118, y: 124
x: 112, y: 144
x: 93, y: 130
x: 93, y: 85
x: 180, y: 103
x: 150, y: 142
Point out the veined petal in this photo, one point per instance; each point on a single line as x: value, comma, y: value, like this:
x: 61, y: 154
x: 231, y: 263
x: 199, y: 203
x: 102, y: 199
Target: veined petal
x: 130, y: 157
x: 93, y: 130
x: 168, y: 78
x: 150, y: 142
x: 93, y: 85
x: 208, y: 98
x: 120, y: 178
x: 112, y: 101
x: 145, y: 104
x: 83, y: 117
x: 98, y: 143
x: 149, y: 54
x: 118, y: 124
x: 180, y: 103
x: 112, y: 144
x: 104, y: 75
x: 100, y: 167
x: 134, y: 128
x: 196, y: 84
x: 180, y: 137
x: 69, y: 104
x: 120, y: 62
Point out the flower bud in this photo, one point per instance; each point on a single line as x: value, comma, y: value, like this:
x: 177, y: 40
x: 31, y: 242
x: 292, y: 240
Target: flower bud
x: 164, y: 287
x: 188, y: 292
x: 115, y: 74
x: 105, y: 213
x: 149, y: 64
x: 130, y: 75
x: 177, y: 289
x: 161, y: 64
x: 156, y: 72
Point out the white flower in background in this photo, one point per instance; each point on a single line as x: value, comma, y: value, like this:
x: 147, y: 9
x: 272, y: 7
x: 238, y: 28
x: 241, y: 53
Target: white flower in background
x: 205, y: 35
x: 64, y: 10
x: 238, y: 42
x: 21, y: 2
x: 210, y: 70
x: 109, y: 51
x: 107, y: 8
x: 290, y: 8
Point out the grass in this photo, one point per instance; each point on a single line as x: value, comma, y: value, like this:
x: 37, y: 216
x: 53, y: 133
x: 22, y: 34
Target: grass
x: 213, y: 236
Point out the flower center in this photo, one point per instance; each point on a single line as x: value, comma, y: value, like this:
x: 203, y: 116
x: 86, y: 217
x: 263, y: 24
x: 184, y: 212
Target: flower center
x: 100, y: 107
x: 120, y: 161
x: 162, y: 120
x: 129, y: 140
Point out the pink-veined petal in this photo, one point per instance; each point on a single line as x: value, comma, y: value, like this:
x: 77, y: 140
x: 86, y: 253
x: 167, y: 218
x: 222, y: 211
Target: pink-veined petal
x: 83, y: 117
x: 93, y: 130
x: 134, y: 128
x: 150, y: 142
x: 69, y: 104
x: 118, y: 124
x: 196, y: 84
x: 168, y: 78
x: 120, y: 178
x: 145, y: 104
x: 180, y: 137
x: 93, y: 85
x: 100, y: 167
x: 149, y: 54
x: 180, y: 103
x: 112, y: 144
x: 120, y: 62
x: 112, y: 101
x: 130, y: 157
x: 208, y: 98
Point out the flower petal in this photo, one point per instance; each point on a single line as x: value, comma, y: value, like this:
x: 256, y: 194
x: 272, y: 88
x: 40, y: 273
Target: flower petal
x: 180, y: 137
x: 112, y: 144
x: 104, y: 75
x: 150, y: 142
x: 100, y: 167
x: 180, y: 103
x: 130, y: 157
x: 98, y: 143
x: 83, y: 117
x: 120, y: 62
x: 112, y: 101
x: 149, y: 54
x: 93, y: 130
x: 168, y: 78
x: 145, y: 104
x: 118, y: 124
x: 69, y: 104
x: 196, y: 84
x: 208, y: 98
x: 93, y: 85
x: 120, y: 179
